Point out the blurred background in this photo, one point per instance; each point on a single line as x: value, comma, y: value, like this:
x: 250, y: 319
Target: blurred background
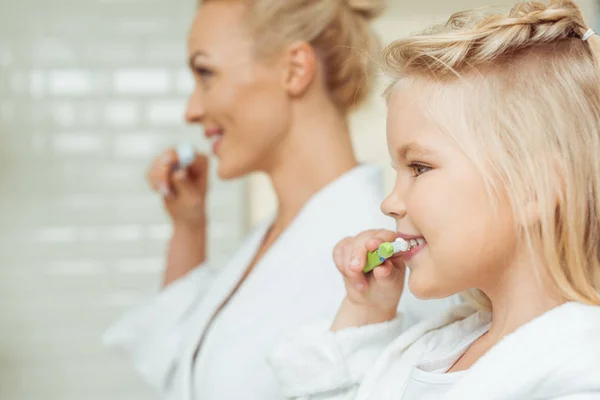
x: 90, y: 91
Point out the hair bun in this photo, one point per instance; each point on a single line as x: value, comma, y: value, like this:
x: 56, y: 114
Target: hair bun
x: 368, y: 9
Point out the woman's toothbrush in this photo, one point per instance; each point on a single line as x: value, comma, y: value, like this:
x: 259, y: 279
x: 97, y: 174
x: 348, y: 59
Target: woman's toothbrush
x: 185, y: 155
x: 385, y: 251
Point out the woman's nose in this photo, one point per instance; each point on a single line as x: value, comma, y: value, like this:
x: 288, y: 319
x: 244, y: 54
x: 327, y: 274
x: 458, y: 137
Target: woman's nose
x: 195, y: 108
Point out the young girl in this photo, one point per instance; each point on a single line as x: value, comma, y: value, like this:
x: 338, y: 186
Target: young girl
x: 493, y: 129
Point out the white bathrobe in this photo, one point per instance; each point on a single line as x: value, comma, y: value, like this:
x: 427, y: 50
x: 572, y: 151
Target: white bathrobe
x: 555, y: 356
x: 295, y: 282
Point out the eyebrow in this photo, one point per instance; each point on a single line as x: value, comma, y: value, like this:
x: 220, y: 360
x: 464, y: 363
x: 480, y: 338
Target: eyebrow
x: 193, y: 57
x: 412, y: 148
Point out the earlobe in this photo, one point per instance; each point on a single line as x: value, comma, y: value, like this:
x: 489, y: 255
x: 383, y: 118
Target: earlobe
x: 301, y: 68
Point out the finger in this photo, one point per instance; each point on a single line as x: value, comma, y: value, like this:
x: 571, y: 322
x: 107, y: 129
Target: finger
x: 356, y: 253
x: 397, y: 261
x: 158, y: 175
x: 198, y: 171
x: 346, y: 255
x: 169, y: 157
x: 200, y: 163
x: 380, y: 237
x: 158, y: 179
x: 180, y: 178
x: 338, y: 253
x: 389, y: 274
x: 184, y: 184
x: 356, y: 279
x: 383, y: 271
x: 163, y: 178
x: 386, y: 235
x: 152, y: 175
x: 365, y: 242
x: 152, y: 181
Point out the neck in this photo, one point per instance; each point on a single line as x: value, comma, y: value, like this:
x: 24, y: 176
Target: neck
x: 316, y: 151
x: 522, y: 294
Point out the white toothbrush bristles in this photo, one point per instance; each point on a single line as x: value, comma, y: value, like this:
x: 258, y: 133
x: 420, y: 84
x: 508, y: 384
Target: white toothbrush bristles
x: 400, y: 245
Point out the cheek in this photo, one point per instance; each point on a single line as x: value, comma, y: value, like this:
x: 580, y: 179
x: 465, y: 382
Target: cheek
x: 255, y: 111
x: 467, y: 238
x: 255, y: 117
x: 460, y: 210
x: 437, y: 207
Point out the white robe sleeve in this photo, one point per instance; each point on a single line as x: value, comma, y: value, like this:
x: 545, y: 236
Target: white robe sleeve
x: 151, y: 334
x: 316, y: 363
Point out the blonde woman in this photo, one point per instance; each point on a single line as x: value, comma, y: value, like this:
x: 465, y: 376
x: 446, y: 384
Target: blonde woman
x: 275, y: 82
x: 494, y: 130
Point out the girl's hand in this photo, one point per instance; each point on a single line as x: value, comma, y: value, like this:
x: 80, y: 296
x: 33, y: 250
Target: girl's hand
x: 373, y: 297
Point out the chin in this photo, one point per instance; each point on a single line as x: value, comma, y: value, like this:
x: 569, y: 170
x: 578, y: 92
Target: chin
x: 233, y: 170
x: 229, y: 173
x: 425, y: 289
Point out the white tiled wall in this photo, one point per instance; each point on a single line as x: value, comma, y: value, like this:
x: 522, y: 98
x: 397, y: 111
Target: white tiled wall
x: 90, y: 90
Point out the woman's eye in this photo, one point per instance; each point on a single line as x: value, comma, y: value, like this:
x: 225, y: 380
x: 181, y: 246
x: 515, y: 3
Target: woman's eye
x: 419, y: 169
x: 203, y: 73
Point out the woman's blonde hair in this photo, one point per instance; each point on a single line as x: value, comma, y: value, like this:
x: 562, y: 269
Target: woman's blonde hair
x: 338, y: 30
x: 526, y: 87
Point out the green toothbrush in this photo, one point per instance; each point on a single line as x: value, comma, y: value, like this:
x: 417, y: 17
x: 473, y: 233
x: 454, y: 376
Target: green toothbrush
x: 385, y: 251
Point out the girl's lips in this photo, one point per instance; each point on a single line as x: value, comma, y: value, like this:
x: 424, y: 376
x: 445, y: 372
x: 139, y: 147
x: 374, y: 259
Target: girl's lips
x: 408, y: 237
x: 419, y: 241
x: 407, y: 255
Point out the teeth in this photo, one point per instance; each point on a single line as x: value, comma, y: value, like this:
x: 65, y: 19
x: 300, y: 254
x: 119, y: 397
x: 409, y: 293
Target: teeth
x: 416, y: 242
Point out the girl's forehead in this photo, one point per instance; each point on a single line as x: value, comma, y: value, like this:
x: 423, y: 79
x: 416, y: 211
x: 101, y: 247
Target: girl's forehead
x: 408, y: 112
x: 432, y: 116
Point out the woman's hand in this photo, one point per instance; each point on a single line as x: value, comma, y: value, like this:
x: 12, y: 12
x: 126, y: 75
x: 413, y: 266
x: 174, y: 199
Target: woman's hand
x: 373, y: 297
x: 183, y: 190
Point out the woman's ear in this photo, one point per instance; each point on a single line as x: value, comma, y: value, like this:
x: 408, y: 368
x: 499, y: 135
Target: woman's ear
x: 300, y: 68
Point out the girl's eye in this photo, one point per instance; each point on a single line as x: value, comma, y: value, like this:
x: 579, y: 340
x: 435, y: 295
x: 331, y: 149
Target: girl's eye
x: 419, y: 169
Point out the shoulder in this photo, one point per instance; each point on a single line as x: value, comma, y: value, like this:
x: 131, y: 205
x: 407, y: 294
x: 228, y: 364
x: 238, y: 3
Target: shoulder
x: 556, y: 354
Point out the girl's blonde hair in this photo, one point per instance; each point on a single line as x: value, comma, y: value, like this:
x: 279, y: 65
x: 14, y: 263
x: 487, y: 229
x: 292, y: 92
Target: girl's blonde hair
x: 339, y: 31
x: 526, y: 87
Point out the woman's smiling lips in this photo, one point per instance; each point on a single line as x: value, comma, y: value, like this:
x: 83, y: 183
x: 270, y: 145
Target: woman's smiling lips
x: 215, y: 135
